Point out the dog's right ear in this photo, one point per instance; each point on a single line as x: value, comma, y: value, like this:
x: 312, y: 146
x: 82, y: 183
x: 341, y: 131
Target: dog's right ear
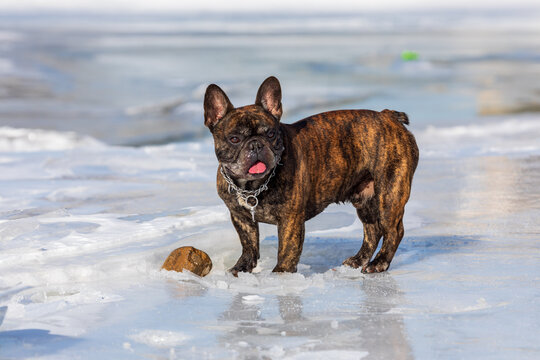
x: 216, y: 105
x: 269, y: 97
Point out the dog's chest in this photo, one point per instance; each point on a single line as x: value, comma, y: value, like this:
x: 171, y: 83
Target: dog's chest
x: 264, y: 211
x: 250, y: 203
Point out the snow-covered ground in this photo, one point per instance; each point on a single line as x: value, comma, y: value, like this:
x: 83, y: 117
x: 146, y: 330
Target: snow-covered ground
x: 85, y: 227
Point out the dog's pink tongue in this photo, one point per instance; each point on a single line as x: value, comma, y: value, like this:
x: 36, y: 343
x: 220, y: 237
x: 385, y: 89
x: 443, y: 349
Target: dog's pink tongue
x: 258, y: 168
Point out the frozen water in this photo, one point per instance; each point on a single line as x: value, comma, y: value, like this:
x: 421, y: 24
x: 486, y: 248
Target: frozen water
x: 85, y: 227
x: 135, y: 79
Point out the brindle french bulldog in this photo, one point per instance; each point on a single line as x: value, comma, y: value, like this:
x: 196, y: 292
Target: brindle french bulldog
x: 285, y: 174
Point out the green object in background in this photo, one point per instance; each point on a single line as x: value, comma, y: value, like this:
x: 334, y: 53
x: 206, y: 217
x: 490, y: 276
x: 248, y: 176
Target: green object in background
x: 408, y: 55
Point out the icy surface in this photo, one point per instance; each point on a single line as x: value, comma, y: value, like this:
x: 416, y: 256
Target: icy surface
x: 85, y: 227
x: 139, y: 79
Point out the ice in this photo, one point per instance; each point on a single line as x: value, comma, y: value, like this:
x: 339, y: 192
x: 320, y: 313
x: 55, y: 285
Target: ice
x: 85, y: 228
x: 3, y: 310
x: 26, y: 140
x: 516, y: 135
x: 160, y: 338
x: 252, y: 299
x: 330, y: 354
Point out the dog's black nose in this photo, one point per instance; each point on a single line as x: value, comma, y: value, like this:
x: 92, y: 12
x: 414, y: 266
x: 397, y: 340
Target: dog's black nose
x: 255, y: 145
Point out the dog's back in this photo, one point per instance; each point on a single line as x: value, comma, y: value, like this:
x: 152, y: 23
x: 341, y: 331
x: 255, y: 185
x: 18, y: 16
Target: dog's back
x: 366, y: 139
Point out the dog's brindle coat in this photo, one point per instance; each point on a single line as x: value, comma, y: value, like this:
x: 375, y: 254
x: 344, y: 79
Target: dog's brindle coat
x: 365, y: 157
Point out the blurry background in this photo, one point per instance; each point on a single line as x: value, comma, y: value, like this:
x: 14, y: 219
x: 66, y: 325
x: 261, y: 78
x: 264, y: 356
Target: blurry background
x: 134, y: 72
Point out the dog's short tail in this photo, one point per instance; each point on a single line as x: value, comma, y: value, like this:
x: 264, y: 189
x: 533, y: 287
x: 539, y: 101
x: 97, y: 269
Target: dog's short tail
x: 399, y: 116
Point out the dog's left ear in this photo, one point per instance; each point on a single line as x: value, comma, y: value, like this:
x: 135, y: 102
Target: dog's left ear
x: 269, y: 97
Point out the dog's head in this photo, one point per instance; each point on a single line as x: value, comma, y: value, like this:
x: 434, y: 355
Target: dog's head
x: 247, y: 140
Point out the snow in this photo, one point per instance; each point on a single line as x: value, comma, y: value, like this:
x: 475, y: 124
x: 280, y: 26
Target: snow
x: 85, y: 228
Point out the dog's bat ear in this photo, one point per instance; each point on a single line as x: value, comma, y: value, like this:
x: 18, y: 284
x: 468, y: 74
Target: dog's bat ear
x: 216, y: 105
x: 269, y: 97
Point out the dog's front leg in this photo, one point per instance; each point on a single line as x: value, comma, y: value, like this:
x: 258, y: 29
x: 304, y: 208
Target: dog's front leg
x: 248, y: 231
x: 291, y: 233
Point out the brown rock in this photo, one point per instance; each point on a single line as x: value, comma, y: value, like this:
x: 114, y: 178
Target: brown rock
x: 189, y: 258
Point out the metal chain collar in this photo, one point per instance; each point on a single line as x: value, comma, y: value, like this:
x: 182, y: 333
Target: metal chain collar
x: 246, y: 195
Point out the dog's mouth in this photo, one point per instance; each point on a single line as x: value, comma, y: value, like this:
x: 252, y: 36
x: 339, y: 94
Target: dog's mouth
x: 258, y: 168
x: 251, y: 166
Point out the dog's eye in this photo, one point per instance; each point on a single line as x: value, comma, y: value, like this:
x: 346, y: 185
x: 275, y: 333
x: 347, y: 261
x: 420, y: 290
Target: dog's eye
x: 271, y: 133
x: 234, y: 139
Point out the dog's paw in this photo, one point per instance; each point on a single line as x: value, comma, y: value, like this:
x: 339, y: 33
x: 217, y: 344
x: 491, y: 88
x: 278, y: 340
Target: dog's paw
x: 284, y: 268
x: 244, y: 264
x: 376, y: 266
x: 356, y: 262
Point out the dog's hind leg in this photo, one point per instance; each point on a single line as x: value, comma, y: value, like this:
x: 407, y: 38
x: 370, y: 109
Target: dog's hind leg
x: 367, y: 210
x: 391, y: 210
x: 372, y: 236
x: 392, y: 238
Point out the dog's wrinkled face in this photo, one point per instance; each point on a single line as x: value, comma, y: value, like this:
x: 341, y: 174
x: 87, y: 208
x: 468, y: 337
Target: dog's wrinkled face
x: 247, y: 140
